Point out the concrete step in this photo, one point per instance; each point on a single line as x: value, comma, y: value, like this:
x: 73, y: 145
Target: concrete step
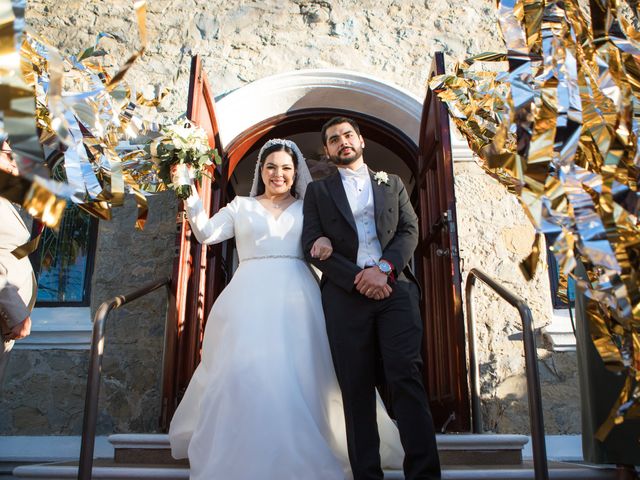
x: 461, y: 449
x: 136, y: 453
x: 22, y: 450
x: 104, y: 470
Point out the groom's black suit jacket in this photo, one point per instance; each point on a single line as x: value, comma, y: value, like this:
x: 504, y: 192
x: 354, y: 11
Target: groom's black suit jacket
x: 327, y: 213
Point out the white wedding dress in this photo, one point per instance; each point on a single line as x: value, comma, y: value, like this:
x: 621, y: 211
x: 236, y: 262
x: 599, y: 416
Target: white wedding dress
x: 264, y: 403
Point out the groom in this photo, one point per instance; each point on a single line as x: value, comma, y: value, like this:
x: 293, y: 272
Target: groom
x: 370, y: 298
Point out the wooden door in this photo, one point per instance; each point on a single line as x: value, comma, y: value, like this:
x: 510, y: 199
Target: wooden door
x: 438, y: 264
x: 199, y: 272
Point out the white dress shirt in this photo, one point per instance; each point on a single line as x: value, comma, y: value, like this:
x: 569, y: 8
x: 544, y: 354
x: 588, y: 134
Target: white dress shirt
x: 357, y: 185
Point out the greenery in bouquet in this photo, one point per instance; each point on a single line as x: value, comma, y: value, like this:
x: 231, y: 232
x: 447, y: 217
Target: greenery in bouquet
x: 187, y: 144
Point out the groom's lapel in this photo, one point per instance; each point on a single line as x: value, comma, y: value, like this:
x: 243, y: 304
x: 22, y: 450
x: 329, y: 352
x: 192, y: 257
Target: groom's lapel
x: 381, y: 199
x: 339, y: 196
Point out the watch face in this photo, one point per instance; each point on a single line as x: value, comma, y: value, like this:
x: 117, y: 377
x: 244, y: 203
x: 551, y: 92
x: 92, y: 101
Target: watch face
x: 384, y: 267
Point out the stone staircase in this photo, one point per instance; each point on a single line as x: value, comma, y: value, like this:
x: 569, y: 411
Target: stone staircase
x: 464, y: 457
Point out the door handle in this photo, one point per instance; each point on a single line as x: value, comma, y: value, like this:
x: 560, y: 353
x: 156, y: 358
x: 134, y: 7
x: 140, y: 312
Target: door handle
x: 442, y: 252
x: 441, y: 223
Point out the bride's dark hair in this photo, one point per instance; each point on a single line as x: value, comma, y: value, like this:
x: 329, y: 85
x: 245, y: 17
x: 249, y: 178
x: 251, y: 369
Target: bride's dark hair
x: 268, y: 151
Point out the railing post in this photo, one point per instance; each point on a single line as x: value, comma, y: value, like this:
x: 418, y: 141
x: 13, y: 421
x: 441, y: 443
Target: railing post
x: 534, y: 395
x: 474, y: 380
x: 90, y: 416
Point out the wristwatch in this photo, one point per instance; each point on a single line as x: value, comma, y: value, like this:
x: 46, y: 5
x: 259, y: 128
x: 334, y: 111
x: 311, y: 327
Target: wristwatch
x: 385, y: 267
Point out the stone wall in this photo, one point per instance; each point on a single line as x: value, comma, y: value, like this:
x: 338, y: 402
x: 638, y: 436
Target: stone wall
x: 242, y: 41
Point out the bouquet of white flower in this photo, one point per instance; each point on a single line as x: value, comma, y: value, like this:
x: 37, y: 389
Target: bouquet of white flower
x: 183, y: 143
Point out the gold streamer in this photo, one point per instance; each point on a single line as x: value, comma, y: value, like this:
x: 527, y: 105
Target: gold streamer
x: 17, y: 121
x: 560, y: 127
x: 84, y: 125
x: 41, y: 203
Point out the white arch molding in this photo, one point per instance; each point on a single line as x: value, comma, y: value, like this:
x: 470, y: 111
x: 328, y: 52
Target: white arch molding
x: 251, y: 104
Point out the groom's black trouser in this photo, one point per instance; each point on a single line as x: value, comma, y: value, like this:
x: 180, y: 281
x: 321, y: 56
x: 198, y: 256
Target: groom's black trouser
x: 359, y: 329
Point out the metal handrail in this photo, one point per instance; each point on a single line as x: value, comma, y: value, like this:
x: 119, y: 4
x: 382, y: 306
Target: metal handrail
x: 90, y: 416
x: 540, y: 467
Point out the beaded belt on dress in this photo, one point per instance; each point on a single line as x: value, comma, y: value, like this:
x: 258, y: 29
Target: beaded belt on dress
x: 266, y: 257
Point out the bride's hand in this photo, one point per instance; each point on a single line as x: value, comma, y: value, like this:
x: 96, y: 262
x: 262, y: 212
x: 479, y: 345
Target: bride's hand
x: 322, y: 248
x: 180, y: 172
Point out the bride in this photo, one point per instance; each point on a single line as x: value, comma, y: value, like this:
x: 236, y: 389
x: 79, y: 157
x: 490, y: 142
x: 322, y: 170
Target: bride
x: 264, y: 401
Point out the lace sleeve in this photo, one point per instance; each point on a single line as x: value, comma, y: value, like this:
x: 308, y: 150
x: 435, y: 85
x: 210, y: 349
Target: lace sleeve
x: 209, y: 230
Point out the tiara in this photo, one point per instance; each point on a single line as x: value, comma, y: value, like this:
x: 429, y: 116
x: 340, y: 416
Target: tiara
x: 286, y: 143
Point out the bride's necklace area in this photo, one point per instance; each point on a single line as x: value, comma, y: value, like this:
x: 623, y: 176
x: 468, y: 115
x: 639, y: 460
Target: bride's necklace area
x: 278, y: 204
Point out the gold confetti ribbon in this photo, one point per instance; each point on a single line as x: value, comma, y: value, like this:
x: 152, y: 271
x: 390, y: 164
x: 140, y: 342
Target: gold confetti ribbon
x: 18, y: 124
x: 559, y: 126
x: 83, y: 115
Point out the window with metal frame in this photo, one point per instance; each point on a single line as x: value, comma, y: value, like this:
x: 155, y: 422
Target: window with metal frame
x: 63, y: 262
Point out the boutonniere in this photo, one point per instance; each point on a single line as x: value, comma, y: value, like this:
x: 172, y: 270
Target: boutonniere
x: 381, y: 177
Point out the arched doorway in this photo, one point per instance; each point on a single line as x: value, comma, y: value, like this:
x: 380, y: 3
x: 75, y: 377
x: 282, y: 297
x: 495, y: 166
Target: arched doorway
x: 390, y: 122
x: 387, y: 147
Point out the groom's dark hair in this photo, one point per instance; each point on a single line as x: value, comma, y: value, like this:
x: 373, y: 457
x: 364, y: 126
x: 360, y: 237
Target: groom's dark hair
x: 335, y: 121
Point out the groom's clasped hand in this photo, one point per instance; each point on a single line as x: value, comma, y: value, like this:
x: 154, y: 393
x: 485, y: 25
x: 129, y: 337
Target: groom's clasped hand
x: 372, y: 283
